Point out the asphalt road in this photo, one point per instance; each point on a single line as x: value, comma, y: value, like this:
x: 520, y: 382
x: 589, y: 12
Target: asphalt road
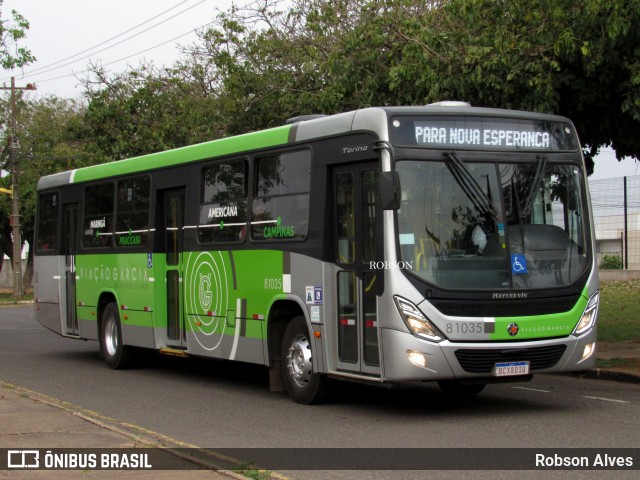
x: 220, y: 404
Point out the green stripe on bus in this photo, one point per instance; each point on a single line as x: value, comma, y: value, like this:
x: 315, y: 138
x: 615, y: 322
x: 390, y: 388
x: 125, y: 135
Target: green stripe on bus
x: 540, y: 326
x: 216, y: 148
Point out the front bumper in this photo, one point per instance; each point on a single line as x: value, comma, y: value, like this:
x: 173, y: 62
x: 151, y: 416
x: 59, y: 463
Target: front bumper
x: 469, y: 360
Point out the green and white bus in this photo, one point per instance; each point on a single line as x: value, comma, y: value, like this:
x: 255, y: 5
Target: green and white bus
x: 400, y: 244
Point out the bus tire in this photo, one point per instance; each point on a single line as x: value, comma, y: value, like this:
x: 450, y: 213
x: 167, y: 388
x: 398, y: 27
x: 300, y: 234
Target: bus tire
x: 302, y: 384
x: 455, y: 388
x: 112, y: 348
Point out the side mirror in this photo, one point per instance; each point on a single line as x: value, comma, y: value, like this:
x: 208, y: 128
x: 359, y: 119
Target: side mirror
x: 389, y: 190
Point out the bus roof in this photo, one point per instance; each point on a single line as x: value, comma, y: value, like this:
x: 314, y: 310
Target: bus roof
x: 369, y: 119
x: 214, y: 148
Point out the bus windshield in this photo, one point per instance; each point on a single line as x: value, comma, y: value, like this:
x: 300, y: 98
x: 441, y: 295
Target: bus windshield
x: 489, y: 225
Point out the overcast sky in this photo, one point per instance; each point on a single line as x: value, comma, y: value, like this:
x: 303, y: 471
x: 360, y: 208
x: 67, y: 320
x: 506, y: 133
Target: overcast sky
x: 65, y: 35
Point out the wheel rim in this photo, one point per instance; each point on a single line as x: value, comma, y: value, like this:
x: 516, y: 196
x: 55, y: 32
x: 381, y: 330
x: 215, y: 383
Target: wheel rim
x: 111, y: 336
x: 299, y: 363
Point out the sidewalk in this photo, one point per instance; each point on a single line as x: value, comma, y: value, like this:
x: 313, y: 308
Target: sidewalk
x: 31, y: 420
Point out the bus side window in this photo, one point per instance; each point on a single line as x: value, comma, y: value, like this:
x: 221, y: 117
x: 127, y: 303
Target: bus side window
x: 132, y: 212
x: 97, y: 225
x: 223, y: 207
x: 280, y: 209
x: 48, y: 208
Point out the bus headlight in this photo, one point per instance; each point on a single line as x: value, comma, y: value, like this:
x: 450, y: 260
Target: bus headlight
x: 589, y: 315
x: 416, y: 322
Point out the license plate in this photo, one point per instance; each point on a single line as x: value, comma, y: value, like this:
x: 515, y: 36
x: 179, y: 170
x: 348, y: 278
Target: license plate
x: 509, y: 369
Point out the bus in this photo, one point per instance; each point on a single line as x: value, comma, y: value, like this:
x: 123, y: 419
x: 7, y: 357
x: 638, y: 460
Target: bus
x: 444, y: 243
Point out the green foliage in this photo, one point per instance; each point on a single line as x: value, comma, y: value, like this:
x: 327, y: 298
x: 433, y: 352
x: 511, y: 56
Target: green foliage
x: 146, y: 110
x: 579, y: 59
x: 48, y: 145
x: 611, y: 262
x: 11, y: 32
x: 271, y: 60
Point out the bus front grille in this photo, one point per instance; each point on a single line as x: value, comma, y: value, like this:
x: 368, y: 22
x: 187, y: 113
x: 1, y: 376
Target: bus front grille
x: 484, y: 360
x: 516, y: 308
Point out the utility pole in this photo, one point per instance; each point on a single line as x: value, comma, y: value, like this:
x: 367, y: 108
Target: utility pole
x: 18, y: 289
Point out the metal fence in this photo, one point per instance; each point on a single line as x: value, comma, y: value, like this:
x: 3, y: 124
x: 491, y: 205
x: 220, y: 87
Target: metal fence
x: 616, y: 212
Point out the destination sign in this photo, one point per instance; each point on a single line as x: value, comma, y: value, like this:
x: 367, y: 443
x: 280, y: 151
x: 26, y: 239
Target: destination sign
x: 482, y: 133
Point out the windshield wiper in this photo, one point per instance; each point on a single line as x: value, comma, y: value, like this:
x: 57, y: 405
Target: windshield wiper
x: 535, y: 185
x: 469, y: 185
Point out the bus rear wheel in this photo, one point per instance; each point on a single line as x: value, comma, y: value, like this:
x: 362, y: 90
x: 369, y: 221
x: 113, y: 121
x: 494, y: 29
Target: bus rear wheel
x: 301, y: 383
x: 112, y: 348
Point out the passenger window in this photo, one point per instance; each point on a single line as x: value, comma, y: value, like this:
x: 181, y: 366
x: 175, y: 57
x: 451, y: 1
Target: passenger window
x: 132, y: 219
x: 280, y: 210
x: 345, y: 215
x: 223, y: 210
x: 48, y: 222
x: 98, y: 216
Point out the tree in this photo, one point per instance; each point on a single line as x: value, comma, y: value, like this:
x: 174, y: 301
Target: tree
x: 11, y: 56
x: 578, y: 59
x: 266, y: 64
x: 145, y: 110
x: 258, y: 65
x: 48, y: 144
x: 11, y: 32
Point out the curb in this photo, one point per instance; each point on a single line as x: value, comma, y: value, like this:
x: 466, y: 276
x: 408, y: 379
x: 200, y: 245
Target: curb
x: 16, y: 303
x: 606, y: 374
x: 137, y: 434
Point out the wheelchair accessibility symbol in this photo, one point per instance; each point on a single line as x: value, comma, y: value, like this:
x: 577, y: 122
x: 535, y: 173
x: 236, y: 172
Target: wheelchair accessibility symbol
x: 518, y: 263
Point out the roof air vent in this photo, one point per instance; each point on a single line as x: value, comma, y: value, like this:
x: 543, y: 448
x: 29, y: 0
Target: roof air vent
x: 303, y: 118
x: 450, y: 103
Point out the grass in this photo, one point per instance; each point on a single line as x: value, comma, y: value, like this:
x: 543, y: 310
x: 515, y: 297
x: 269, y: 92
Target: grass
x: 628, y: 364
x: 619, y: 312
x: 248, y: 470
x: 7, y: 298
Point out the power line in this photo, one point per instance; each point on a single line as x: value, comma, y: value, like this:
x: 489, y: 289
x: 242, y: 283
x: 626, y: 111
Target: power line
x: 129, y: 56
x: 122, y: 41
x: 31, y: 72
x: 47, y: 69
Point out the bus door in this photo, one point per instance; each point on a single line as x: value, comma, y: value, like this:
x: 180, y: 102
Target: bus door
x: 173, y: 205
x: 355, y: 189
x: 69, y: 239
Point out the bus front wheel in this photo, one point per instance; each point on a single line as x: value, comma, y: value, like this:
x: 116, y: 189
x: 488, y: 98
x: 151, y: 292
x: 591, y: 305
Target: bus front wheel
x: 115, y: 353
x: 301, y: 383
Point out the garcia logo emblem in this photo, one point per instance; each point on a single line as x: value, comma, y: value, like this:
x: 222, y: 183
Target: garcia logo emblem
x: 513, y: 329
x: 204, y: 291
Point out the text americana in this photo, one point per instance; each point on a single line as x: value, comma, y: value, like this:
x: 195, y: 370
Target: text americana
x: 223, y: 212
